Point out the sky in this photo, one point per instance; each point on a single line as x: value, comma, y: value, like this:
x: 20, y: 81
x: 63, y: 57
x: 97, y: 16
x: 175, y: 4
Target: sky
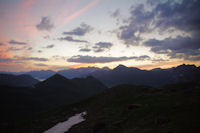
x: 63, y: 34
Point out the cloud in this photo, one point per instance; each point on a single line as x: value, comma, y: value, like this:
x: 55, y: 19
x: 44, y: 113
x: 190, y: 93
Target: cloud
x: 70, y: 39
x: 179, y: 47
x: 46, y: 37
x: 49, y: 46
x: 102, y: 46
x: 80, y: 11
x: 58, y: 57
x: 6, y: 60
x: 14, y: 49
x: 45, y: 24
x: 30, y: 48
x: 162, y: 16
x: 143, y: 57
x: 116, y: 13
x: 103, y: 59
x: 183, y: 16
x: 17, y: 59
x: 19, y: 48
x: 80, y: 31
x: 41, y: 64
x: 1, y: 44
x: 39, y: 51
x: 30, y: 58
x: 17, y: 42
x: 84, y: 50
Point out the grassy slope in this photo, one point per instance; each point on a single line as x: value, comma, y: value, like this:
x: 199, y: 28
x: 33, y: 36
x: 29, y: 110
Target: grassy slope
x: 174, y: 109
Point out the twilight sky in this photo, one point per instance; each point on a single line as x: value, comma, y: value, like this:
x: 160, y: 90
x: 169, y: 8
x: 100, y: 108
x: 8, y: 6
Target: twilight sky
x: 62, y: 34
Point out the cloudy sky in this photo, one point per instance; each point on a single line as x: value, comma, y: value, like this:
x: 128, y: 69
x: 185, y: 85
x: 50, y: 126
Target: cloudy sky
x: 62, y: 34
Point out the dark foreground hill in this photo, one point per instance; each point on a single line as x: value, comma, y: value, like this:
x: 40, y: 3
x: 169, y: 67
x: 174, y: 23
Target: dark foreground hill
x: 129, y: 109
x: 17, y: 80
x: 23, y: 102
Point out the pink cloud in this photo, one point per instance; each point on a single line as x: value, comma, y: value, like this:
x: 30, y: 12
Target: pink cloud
x: 80, y: 11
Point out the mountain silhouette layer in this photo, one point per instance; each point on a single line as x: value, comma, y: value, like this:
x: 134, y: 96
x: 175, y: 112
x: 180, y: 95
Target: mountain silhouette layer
x: 17, y: 80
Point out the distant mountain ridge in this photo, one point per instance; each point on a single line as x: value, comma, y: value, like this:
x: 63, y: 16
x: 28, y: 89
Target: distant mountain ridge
x: 127, y: 75
x: 17, y: 80
x: 155, y: 77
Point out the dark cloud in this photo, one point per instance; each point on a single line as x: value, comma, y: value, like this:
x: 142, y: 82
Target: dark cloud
x: 45, y: 24
x: 14, y: 49
x: 80, y: 31
x: 19, y: 48
x: 102, y: 46
x: 84, y: 50
x: 30, y: 58
x: 7, y: 60
x: 41, y: 64
x: 116, y: 13
x: 143, y: 57
x: 17, y: 58
x: 179, y: 47
x: 30, y: 48
x: 49, y: 46
x: 39, y: 51
x: 71, y: 39
x: 158, y: 60
x: 46, y: 37
x: 17, y: 42
x: 194, y: 58
x: 58, y: 57
x: 1, y: 44
x: 103, y: 59
x: 182, y: 15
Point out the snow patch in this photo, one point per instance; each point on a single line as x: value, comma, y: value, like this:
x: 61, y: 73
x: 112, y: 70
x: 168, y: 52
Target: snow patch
x: 63, y: 127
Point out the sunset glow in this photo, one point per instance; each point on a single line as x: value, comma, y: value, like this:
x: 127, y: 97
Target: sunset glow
x: 63, y: 34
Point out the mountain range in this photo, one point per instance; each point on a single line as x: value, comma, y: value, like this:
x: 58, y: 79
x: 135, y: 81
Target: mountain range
x: 127, y: 75
x: 155, y: 78
x: 23, y: 96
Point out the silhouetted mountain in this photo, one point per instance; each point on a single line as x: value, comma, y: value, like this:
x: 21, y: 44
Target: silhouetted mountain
x: 57, y: 90
x: 156, y: 77
x: 55, y: 81
x: 156, y: 69
x: 77, y: 73
x: 52, y: 92
x: 74, y: 89
x: 17, y: 80
x: 41, y: 75
x: 90, y: 85
x: 129, y: 75
x: 120, y: 68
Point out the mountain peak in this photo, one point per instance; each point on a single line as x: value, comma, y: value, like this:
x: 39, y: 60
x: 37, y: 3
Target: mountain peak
x: 120, y: 67
x: 184, y: 66
x: 106, y: 68
x: 57, y: 76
